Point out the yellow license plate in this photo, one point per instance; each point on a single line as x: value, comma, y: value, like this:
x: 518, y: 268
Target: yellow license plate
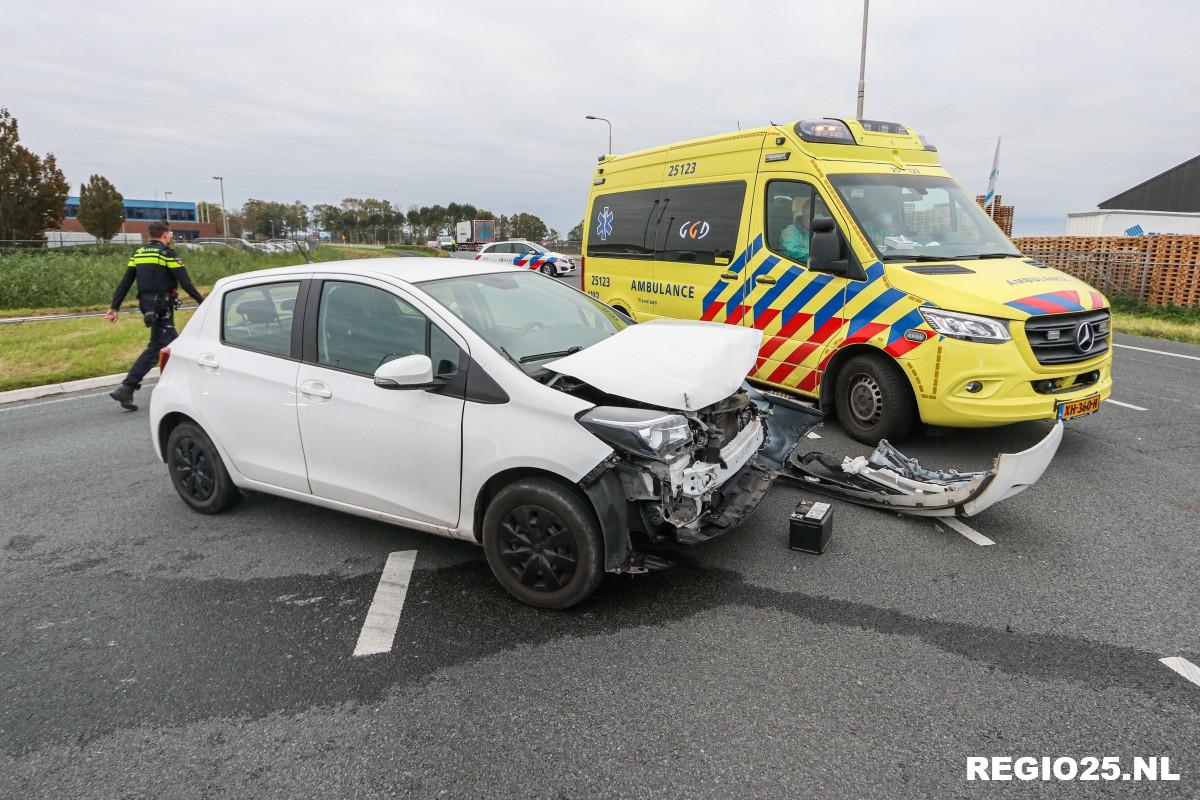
x: 1077, y: 408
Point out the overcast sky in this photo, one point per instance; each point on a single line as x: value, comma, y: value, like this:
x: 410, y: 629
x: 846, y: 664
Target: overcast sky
x: 422, y: 103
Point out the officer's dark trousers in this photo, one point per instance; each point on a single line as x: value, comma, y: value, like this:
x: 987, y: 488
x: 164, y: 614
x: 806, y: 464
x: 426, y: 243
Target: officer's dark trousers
x: 162, y: 333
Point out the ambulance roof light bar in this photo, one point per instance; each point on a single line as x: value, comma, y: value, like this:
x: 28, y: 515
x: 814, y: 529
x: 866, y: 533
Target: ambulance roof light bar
x: 825, y: 131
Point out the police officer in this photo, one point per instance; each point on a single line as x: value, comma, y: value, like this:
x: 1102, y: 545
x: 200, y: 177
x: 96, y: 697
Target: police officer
x: 158, y: 272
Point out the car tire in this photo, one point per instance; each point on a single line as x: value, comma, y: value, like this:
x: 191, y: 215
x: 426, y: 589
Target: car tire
x: 197, y: 471
x: 547, y: 269
x: 543, y: 544
x: 873, y: 400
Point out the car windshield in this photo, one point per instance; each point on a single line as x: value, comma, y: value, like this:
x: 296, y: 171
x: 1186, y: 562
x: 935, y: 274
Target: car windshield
x: 527, y: 316
x: 920, y: 217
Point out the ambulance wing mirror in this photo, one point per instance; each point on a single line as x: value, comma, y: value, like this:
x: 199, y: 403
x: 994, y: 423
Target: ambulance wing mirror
x: 830, y: 253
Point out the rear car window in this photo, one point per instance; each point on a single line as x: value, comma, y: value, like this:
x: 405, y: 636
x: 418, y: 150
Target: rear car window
x: 260, y: 317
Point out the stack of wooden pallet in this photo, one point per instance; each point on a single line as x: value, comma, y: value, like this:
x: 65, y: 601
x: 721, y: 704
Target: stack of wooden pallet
x: 1161, y: 270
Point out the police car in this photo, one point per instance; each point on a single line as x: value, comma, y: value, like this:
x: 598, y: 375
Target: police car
x: 529, y: 255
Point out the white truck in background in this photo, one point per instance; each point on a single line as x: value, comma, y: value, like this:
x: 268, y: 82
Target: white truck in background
x: 474, y: 234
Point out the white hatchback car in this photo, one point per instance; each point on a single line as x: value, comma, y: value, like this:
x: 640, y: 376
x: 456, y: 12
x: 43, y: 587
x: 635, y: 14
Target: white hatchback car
x: 476, y: 402
x: 528, y: 255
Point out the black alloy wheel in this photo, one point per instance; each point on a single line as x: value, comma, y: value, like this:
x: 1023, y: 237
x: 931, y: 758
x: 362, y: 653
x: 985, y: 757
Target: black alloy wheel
x: 543, y: 543
x: 197, y: 471
x: 192, y: 468
x: 537, y: 548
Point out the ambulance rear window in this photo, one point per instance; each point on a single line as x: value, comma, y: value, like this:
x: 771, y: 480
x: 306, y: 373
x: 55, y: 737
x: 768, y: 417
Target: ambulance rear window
x: 623, y: 224
x: 694, y: 224
x: 699, y: 223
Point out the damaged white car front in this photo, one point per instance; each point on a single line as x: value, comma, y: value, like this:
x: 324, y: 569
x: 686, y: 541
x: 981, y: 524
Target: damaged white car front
x: 695, y: 448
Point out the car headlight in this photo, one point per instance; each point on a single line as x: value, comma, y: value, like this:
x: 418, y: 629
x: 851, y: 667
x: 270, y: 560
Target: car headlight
x: 970, y: 327
x: 641, y: 431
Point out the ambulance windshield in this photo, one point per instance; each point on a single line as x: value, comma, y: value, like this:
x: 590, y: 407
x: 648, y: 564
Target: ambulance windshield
x: 920, y: 218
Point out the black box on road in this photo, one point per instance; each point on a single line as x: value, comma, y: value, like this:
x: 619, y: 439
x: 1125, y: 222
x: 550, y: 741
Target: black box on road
x: 810, y: 527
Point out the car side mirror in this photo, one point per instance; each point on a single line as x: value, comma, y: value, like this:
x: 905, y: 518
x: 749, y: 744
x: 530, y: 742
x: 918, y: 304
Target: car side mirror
x: 828, y: 251
x: 409, y: 372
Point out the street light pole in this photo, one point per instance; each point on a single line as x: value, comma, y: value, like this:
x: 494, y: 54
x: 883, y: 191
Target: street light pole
x: 602, y: 119
x: 862, y: 61
x: 224, y: 216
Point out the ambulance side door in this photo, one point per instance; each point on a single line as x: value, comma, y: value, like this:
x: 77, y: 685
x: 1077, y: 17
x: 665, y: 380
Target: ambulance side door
x: 698, y: 273
x: 799, y: 310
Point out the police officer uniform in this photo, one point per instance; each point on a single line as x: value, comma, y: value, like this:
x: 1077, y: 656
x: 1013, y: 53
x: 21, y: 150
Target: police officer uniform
x: 159, y: 274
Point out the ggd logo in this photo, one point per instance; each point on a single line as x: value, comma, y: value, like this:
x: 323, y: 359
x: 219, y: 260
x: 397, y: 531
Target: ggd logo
x: 693, y: 230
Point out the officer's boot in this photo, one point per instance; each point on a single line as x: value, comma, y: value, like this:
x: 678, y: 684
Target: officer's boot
x: 123, y: 394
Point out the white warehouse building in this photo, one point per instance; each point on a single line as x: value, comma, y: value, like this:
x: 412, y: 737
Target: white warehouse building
x: 1107, y: 222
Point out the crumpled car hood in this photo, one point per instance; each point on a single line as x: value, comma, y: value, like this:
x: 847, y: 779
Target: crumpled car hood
x: 675, y: 364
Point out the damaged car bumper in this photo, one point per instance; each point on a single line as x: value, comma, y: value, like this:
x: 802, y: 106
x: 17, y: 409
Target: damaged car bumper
x: 691, y: 499
x: 888, y: 479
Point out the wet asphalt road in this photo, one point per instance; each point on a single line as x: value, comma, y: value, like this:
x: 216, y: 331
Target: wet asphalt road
x: 147, y: 651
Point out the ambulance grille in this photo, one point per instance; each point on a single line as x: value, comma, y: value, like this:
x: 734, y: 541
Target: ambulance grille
x: 1055, y: 338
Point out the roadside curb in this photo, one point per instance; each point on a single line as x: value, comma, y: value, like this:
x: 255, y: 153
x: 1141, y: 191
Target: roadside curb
x: 51, y: 389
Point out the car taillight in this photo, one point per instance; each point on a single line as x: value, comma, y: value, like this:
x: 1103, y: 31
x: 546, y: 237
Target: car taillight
x: 164, y: 356
x: 477, y: 256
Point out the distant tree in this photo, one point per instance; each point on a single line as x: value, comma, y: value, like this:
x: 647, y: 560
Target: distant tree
x: 503, y: 228
x: 552, y: 236
x: 101, y: 208
x: 528, y: 226
x: 576, y: 233
x: 267, y: 217
x: 33, y: 190
x: 328, y: 217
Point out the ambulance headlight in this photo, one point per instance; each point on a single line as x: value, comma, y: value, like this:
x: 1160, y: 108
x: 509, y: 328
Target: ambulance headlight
x: 969, y: 327
x: 640, y: 431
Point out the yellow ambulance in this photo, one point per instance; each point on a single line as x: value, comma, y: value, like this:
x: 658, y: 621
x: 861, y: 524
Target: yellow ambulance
x: 882, y: 289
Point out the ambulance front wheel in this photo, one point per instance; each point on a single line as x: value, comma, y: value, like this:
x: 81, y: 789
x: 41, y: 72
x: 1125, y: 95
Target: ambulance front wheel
x: 873, y: 400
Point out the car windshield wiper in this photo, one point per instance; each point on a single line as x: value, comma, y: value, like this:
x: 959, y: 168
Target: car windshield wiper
x: 554, y: 354
x: 992, y: 255
x: 917, y: 257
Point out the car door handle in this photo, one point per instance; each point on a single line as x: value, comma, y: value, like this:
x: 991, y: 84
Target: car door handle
x: 765, y: 280
x: 316, y: 389
x: 728, y: 275
x: 207, y: 361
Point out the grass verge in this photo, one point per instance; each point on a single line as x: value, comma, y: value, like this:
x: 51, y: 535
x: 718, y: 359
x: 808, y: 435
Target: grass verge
x: 53, y: 351
x: 1175, y: 323
x: 37, y: 353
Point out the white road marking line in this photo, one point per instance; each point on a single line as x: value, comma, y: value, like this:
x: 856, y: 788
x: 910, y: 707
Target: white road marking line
x: 1156, y: 352
x: 958, y: 526
x: 57, y: 400
x: 379, y: 628
x: 1125, y: 405
x: 1184, y: 667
